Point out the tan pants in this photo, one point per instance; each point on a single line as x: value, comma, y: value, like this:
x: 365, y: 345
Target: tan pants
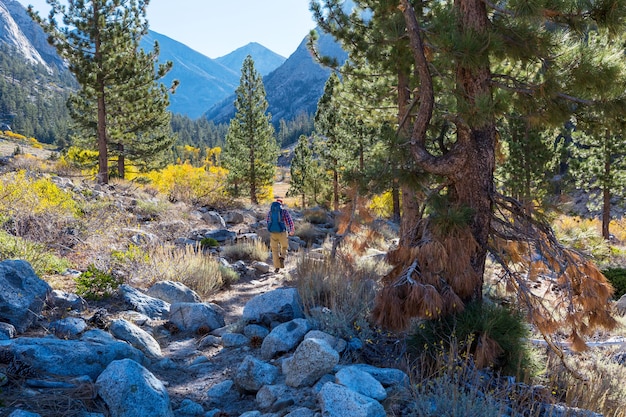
x: 279, y: 243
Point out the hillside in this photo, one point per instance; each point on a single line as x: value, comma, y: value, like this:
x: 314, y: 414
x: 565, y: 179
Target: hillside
x: 236, y: 349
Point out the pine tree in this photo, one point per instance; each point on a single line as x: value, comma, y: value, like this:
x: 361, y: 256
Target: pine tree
x: 452, y: 86
x: 251, y: 151
x: 327, y: 126
x: 599, y: 167
x: 301, y: 169
x: 118, y: 103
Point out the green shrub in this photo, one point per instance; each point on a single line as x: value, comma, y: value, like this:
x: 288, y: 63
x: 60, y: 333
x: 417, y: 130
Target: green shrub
x: 41, y: 259
x: 617, y: 278
x: 94, y: 284
x: 209, y: 242
x: 491, y: 334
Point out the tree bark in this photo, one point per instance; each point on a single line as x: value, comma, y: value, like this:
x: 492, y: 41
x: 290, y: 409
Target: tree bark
x: 470, y: 163
x: 606, y: 192
x: 121, y: 161
x: 103, y: 157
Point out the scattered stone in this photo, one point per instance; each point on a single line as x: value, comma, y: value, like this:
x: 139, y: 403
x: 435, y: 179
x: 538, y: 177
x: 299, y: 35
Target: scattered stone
x: 189, y: 408
x: 335, y: 342
x: 150, y: 306
x: 192, y: 317
x: 254, y: 330
x: 23, y: 294
x: 7, y: 331
x: 222, y: 235
x: 137, y: 337
x: 66, y: 301
x: 130, y: 390
x: 312, y: 359
x: 280, y: 305
x: 252, y: 374
x: 70, y: 327
x: 234, y: 340
x: 88, y: 356
x: 284, y: 338
x: 262, y: 267
x: 339, y: 401
x: 361, y: 382
x: 173, y: 292
x: 223, y: 393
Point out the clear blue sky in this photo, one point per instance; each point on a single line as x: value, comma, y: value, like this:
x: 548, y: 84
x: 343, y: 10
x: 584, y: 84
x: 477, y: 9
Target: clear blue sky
x: 217, y: 27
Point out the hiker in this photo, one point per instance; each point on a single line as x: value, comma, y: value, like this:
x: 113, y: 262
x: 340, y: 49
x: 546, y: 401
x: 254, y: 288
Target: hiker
x: 279, y: 224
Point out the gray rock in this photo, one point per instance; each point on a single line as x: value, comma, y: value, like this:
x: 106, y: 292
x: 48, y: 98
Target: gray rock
x: 281, y: 305
x: 339, y: 401
x: 312, y: 359
x: 252, y: 374
x: 620, y: 305
x: 251, y: 414
x: 188, y: 408
x: 150, y: 306
x: 301, y: 412
x: 69, y: 327
x: 173, y: 292
x: 222, y: 393
x: 22, y: 294
x: 189, y: 317
x: 557, y: 410
x: 221, y: 235
x: 230, y: 340
x: 335, y: 342
x: 88, y: 356
x: 233, y: 217
x: 361, y: 382
x: 284, y: 338
x: 137, y: 337
x: 269, y: 394
x: 130, y: 390
x: 7, y: 331
x: 254, y: 330
x: 386, y: 376
x: 66, y: 301
x: 213, y: 218
x: 262, y: 267
x: 210, y: 341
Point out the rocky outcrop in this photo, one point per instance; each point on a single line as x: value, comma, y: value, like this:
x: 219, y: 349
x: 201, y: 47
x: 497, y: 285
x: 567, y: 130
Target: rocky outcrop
x: 161, y: 362
x: 22, y: 294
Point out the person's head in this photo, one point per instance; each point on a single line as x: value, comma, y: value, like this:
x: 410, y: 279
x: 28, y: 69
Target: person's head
x: 279, y: 201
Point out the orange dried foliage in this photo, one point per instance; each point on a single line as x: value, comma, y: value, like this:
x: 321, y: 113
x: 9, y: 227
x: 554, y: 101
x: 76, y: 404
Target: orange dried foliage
x: 487, y: 351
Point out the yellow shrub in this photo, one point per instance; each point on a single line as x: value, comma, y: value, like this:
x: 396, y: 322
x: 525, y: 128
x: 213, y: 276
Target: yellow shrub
x: 21, y: 194
x: 382, y: 204
x: 184, y: 182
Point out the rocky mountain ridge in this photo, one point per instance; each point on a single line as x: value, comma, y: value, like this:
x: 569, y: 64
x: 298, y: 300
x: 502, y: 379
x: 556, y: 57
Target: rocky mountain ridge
x: 205, y: 83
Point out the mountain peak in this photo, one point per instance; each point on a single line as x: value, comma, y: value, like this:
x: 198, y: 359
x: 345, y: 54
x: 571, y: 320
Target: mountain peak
x: 265, y: 60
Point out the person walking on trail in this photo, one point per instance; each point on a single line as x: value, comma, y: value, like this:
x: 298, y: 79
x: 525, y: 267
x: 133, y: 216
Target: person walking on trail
x: 279, y: 224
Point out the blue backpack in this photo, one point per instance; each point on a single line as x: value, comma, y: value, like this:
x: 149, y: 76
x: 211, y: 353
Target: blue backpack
x: 276, y: 223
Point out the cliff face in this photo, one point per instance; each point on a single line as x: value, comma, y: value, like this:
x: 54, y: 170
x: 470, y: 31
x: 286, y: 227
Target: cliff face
x: 20, y: 32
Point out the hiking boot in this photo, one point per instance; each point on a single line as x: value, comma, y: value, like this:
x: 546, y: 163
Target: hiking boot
x: 276, y: 270
x: 282, y: 262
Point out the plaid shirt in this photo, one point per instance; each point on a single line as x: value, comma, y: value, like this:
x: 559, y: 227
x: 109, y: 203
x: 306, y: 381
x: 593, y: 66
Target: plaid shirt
x: 286, y: 219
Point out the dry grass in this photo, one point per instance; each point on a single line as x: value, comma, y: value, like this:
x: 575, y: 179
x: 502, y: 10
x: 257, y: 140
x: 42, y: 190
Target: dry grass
x: 249, y: 250
x: 70, y: 402
x: 188, y: 265
x: 337, y: 295
x: 602, y: 387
